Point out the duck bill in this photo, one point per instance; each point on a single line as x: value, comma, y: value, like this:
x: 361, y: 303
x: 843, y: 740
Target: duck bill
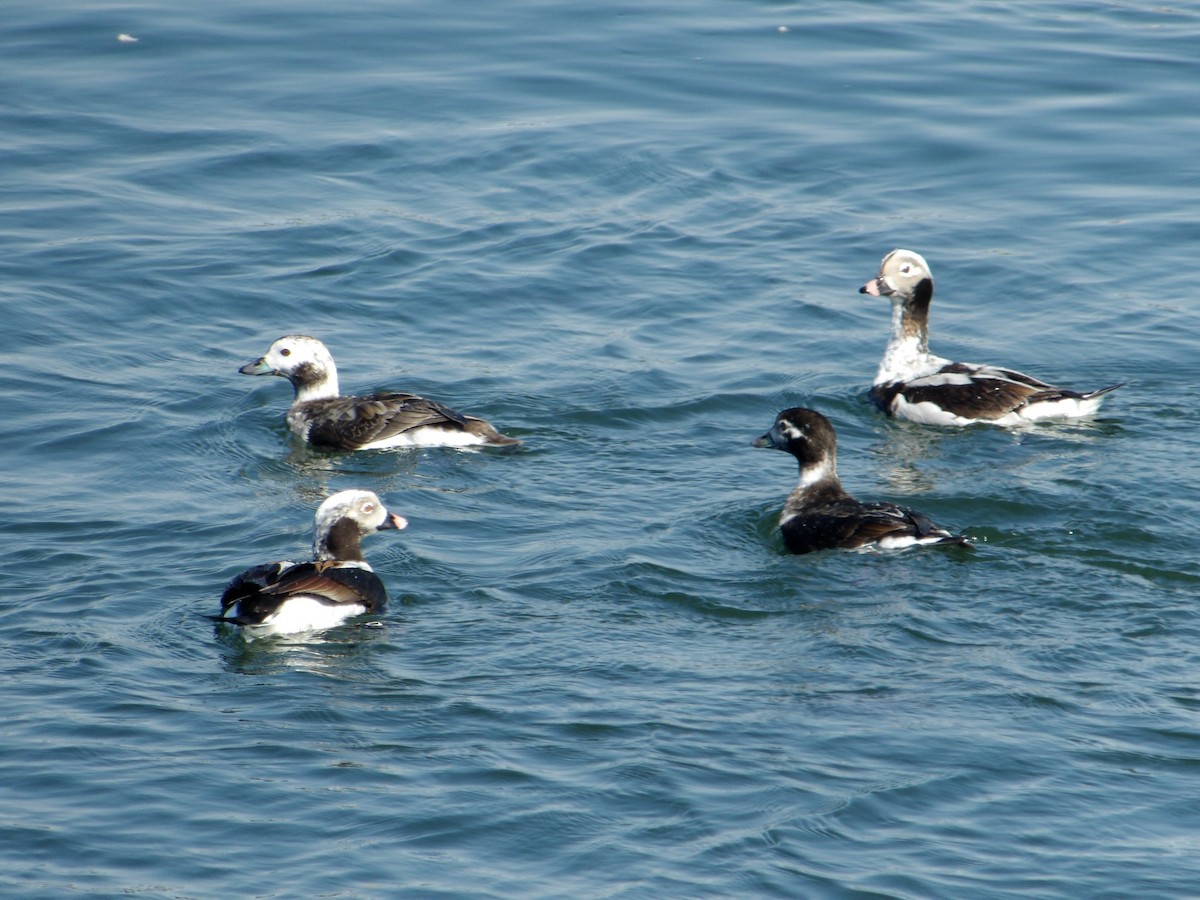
x: 393, y: 522
x: 258, y: 367
x: 763, y: 441
x: 877, y: 287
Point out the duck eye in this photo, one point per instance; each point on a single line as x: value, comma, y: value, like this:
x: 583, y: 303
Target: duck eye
x: 285, y: 352
x: 904, y: 270
x: 368, y: 507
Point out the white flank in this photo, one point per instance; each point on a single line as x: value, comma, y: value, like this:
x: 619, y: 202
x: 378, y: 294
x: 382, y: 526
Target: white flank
x: 900, y: 542
x: 427, y: 437
x: 303, y: 613
x: 927, y: 413
x: 1067, y: 408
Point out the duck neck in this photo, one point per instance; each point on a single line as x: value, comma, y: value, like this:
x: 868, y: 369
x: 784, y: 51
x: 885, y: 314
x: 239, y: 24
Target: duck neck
x: 820, y: 472
x: 314, y: 382
x: 342, y: 542
x: 907, y: 351
x: 818, y: 485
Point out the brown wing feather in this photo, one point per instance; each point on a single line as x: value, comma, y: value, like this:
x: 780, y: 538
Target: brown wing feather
x: 349, y: 422
x: 257, y: 593
x: 307, y: 580
x: 980, y: 398
x: 982, y: 371
x: 846, y: 523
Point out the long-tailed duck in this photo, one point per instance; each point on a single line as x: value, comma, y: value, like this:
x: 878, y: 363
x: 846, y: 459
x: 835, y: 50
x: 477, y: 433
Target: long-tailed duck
x: 286, y: 597
x: 820, y: 515
x: 914, y: 384
x: 389, y: 419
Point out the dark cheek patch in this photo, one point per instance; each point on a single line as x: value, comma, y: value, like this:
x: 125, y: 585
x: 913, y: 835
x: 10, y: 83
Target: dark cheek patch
x: 308, y: 373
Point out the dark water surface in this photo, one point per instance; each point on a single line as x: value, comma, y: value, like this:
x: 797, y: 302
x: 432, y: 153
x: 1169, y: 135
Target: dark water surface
x: 628, y: 234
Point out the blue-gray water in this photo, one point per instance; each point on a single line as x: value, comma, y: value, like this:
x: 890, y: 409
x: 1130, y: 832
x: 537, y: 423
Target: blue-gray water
x: 629, y: 234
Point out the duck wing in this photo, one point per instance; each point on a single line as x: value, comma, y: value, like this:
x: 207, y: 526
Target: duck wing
x: 258, y: 592
x: 890, y: 520
x: 976, y: 370
x: 970, y: 392
x: 849, y: 524
x: 346, y: 423
x: 252, y: 582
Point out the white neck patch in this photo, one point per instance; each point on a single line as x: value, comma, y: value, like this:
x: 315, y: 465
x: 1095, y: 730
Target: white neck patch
x: 816, y: 474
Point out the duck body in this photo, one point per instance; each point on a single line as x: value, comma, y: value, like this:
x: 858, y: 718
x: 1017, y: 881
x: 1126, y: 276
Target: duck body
x: 912, y: 383
x: 820, y: 515
x: 321, y: 416
x: 969, y: 394
x: 822, y: 519
x: 387, y: 421
x: 286, y: 597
